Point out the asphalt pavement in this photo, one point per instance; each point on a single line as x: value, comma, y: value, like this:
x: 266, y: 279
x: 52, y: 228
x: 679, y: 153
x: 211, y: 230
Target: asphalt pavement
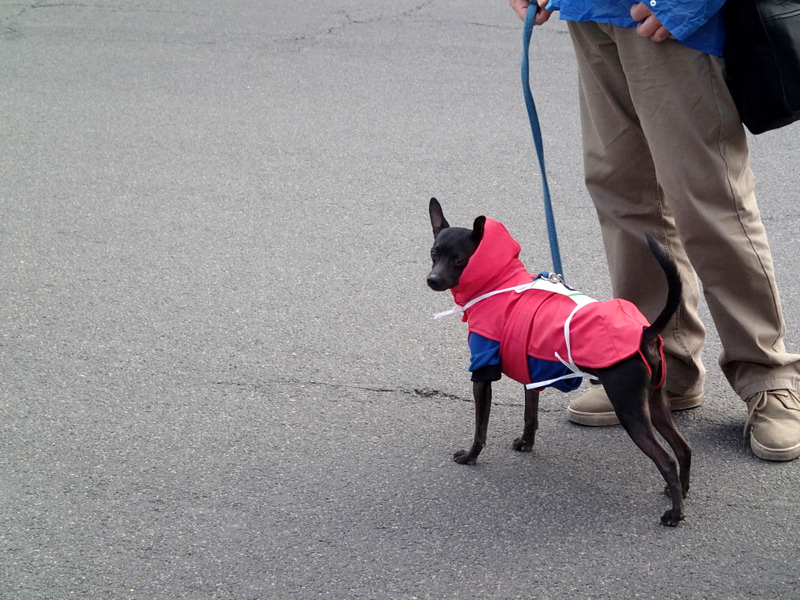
x: 219, y: 373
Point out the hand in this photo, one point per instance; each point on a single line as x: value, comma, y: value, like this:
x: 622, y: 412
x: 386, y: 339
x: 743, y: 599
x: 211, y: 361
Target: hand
x: 649, y: 25
x: 521, y: 7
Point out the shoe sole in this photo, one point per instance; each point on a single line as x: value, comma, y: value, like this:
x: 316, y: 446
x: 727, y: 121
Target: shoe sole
x: 604, y: 419
x: 782, y: 455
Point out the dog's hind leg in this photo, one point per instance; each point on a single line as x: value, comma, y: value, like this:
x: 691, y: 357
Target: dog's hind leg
x: 643, y: 435
x: 662, y: 420
x: 525, y: 442
x: 482, y: 391
x: 627, y: 387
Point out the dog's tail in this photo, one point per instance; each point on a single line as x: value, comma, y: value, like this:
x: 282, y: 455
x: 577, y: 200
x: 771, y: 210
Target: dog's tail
x: 674, y: 286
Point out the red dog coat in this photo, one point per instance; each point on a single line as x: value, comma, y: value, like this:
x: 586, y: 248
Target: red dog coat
x: 547, y: 320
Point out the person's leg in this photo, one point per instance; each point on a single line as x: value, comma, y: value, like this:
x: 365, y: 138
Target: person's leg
x: 678, y: 102
x: 701, y: 160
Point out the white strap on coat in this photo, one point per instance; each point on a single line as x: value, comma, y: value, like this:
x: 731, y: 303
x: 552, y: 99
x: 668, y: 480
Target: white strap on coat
x: 555, y: 284
x: 569, y: 363
x: 460, y: 309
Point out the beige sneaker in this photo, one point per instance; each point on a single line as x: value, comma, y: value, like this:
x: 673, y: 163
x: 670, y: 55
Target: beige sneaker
x: 773, y: 423
x: 594, y: 408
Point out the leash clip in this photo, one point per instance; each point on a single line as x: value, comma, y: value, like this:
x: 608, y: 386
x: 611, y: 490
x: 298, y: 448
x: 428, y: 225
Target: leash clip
x: 556, y: 278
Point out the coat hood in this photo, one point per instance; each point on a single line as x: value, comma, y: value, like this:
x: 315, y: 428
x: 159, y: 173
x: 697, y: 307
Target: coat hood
x: 495, y: 265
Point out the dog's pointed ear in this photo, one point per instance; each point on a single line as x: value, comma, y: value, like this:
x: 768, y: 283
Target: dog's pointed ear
x: 477, y: 229
x: 437, y: 217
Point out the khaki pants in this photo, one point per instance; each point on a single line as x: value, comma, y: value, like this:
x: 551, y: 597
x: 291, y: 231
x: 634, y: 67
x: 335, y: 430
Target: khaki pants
x: 665, y: 153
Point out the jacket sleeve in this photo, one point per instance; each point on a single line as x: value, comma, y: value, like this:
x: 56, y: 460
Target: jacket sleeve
x: 682, y: 18
x: 485, y: 359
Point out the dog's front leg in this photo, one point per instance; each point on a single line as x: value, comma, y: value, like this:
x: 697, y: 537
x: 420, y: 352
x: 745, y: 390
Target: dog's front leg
x: 482, y: 390
x: 525, y: 442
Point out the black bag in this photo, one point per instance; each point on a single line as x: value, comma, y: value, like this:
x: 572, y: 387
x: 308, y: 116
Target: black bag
x: 762, y: 56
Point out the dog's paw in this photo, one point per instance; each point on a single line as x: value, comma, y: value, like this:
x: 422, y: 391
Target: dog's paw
x: 672, y: 517
x: 522, y: 446
x: 463, y: 457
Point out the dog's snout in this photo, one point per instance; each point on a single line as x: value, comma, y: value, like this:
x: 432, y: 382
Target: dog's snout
x: 438, y: 281
x: 434, y: 281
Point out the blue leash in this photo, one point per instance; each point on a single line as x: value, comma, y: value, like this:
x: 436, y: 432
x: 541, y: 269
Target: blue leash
x: 536, y: 130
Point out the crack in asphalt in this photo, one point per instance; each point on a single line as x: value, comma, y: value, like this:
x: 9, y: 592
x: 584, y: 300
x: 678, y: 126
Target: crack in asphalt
x: 22, y: 10
x: 351, y: 20
x: 416, y: 392
x: 426, y: 393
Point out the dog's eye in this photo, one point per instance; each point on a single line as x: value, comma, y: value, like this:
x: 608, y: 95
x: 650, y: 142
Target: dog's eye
x: 433, y: 255
x: 461, y: 261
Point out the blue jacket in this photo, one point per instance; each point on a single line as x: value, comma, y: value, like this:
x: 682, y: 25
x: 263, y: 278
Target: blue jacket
x: 697, y: 24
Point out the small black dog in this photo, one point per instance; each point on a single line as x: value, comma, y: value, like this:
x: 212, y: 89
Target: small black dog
x: 489, y: 283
